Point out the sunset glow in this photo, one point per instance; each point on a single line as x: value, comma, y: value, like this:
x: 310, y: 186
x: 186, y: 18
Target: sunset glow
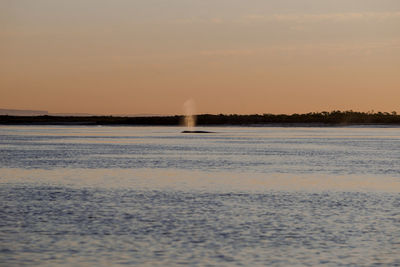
x: 229, y: 56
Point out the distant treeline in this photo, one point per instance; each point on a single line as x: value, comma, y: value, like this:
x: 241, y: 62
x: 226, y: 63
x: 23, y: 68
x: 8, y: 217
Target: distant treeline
x: 314, y: 118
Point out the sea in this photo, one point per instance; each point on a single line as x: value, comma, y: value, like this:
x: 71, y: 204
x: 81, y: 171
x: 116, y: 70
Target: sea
x: 236, y: 196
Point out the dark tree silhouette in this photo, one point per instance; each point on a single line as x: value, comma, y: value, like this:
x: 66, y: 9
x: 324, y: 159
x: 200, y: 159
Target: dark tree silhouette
x: 335, y: 117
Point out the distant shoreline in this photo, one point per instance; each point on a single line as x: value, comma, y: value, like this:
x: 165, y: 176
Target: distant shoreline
x: 322, y: 119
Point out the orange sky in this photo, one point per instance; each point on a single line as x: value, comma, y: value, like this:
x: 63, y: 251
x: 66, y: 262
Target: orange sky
x: 230, y: 56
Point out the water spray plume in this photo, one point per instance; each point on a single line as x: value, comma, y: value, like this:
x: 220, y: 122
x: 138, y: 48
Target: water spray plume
x: 190, y: 117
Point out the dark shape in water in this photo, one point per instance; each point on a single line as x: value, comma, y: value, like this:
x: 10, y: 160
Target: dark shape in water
x: 196, y: 132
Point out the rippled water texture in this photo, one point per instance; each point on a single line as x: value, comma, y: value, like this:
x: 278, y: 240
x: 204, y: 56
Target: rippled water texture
x: 240, y: 196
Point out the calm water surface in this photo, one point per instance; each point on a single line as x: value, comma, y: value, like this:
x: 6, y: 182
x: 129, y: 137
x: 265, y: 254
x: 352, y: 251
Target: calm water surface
x: 240, y: 196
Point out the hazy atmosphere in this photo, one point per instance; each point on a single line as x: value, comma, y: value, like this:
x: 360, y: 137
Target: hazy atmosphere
x: 229, y: 56
x: 199, y: 132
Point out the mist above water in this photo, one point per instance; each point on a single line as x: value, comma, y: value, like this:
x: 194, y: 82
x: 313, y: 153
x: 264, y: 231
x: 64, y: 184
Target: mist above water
x: 189, y: 108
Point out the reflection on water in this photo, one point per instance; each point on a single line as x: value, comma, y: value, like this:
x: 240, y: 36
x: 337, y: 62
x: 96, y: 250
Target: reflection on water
x: 61, y: 225
x: 241, y: 196
x: 205, y: 181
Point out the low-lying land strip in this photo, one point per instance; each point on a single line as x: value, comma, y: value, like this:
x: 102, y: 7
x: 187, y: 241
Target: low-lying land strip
x: 334, y: 118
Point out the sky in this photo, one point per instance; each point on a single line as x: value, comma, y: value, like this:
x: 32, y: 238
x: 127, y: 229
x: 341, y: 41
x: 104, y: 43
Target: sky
x: 227, y: 56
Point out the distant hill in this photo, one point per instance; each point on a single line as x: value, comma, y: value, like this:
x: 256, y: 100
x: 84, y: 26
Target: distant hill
x: 136, y: 115
x: 22, y: 112
x: 72, y: 114
x: 25, y: 112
